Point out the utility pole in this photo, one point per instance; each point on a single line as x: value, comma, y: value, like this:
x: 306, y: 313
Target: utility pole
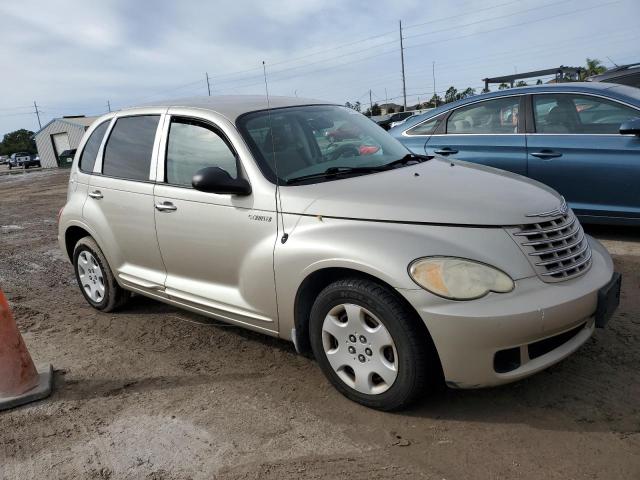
x: 37, y: 114
x: 433, y: 71
x: 404, y: 85
x: 370, y: 103
x: 208, y: 84
x: 386, y: 97
x: 109, y: 105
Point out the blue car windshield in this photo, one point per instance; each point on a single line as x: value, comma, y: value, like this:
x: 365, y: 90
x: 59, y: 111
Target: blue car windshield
x: 302, y: 141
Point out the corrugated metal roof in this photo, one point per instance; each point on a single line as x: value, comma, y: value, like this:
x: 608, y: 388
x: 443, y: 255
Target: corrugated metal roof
x: 82, y: 121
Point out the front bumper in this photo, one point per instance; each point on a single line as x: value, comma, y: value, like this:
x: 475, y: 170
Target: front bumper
x: 467, y: 335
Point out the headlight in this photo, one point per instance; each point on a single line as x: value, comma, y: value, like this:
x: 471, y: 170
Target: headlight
x: 457, y: 278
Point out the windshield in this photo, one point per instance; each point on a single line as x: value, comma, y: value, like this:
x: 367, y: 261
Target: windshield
x: 295, y: 142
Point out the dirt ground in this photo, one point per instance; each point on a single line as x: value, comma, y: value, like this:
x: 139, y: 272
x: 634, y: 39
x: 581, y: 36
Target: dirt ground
x: 154, y: 392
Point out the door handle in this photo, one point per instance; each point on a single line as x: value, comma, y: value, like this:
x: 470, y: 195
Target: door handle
x: 544, y: 154
x: 97, y: 194
x: 166, y: 207
x: 445, y: 151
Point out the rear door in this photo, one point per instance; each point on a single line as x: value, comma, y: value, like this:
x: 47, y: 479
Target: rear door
x: 490, y: 132
x: 119, y: 206
x: 576, y: 148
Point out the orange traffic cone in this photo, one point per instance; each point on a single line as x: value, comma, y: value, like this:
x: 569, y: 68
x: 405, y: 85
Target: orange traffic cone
x: 20, y: 381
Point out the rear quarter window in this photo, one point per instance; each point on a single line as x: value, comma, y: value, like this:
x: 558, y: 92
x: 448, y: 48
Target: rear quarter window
x: 90, y: 152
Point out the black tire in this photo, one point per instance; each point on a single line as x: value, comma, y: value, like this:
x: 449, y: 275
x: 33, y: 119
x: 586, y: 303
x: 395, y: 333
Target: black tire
x: 418, y: 365
x: 114, y: 296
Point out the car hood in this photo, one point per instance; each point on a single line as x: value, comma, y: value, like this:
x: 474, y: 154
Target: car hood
x: 434, y: 192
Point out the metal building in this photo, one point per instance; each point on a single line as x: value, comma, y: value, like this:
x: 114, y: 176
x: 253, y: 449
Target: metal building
x: 58, y: 135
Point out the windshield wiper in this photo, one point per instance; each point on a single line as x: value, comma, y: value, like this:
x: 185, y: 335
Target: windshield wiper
x: 409, y: 157
x: 334, y: 171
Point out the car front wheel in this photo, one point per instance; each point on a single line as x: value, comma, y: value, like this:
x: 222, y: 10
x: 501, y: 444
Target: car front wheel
x: 95, y: 279
x: 371, y: 346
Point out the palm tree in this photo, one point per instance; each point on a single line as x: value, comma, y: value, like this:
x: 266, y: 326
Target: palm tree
x: 450, y: 95
x: 593, y: 66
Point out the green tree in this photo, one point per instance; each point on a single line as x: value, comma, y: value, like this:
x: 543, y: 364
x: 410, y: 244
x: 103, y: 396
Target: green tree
x: 521, y: 83
x: 538, y: 82
x: 434, y: 101
x: 18, y: 141
x: 503, y: 86
x: 357, y: 106
x: 391, y: 110
x: 348, y: 105
x: 467, y: 92
x: 375, y: 109
x: 593, y: 66
x: 451, y: 95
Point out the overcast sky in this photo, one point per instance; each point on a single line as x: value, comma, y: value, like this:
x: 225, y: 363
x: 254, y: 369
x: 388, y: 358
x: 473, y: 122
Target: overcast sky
x: 74, y: 56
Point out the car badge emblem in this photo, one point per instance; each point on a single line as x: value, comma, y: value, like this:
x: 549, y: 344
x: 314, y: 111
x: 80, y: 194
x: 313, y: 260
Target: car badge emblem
x: 561, y: 210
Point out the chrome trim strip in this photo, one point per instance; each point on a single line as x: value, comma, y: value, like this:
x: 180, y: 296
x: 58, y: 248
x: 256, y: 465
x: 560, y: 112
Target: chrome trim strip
x: 557, y: 249
x: 546, y: 230
x: 611, y: 99
x: 568, y: 267
x: 561, y: 210
x: 566, y: 257
x: 552, y: 240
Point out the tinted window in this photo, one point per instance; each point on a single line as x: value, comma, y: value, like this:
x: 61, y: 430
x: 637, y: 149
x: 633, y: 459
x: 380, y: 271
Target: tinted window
x: 426, y: 128
x: 193, y: 146
x: 129, y: 148
x: 583, y: 114
x: 491, y: 116
x: 90, y: 152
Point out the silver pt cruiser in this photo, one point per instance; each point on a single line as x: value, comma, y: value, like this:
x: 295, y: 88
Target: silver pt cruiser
x: 306, y: 221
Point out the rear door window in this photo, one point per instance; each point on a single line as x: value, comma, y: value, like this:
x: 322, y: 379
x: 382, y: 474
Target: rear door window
x: 130, y: 147
x: 579, y: 114
x: 427, y: 127
x: 90, y: 152
x: 497, y: 116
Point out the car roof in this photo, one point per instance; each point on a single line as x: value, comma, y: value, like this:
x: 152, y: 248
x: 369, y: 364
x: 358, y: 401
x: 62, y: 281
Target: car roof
x: 620, y: 92
x: 615, y: 73
x: 233, y: 106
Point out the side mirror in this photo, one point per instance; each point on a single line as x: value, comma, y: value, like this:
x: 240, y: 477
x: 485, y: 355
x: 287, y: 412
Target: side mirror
x: 217, y: 180
x: 630, y: 127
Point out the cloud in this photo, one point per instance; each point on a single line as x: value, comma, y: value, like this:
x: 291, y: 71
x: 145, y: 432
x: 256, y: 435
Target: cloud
x: 72, y: 56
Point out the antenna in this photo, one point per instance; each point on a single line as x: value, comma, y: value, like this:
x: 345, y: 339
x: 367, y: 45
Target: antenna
x: 614, y: 63
x: 285, y: 235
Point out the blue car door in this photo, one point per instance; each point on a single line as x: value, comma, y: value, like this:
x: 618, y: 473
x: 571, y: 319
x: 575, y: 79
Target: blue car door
x: 574, y: 146
x: 490, y: 132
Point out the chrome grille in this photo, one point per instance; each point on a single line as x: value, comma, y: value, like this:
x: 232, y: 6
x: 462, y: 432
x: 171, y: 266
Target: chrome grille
x: 557, y: 249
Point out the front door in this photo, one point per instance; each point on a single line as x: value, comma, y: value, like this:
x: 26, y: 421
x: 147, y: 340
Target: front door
x: 120, y: 201
x: 577, y: 149
x: 490, y: 132
x: 217, y: 249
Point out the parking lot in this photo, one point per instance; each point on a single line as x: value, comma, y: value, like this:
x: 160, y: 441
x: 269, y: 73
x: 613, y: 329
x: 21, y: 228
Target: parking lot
x: 155, y: 392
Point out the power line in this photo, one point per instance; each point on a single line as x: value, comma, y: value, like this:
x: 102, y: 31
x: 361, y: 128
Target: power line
x: 490, y: 19
x: 515, y: 24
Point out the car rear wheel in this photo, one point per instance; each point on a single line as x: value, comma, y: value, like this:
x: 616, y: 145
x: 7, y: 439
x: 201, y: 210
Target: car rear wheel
x: 95, y: 279
x: 370, y: 346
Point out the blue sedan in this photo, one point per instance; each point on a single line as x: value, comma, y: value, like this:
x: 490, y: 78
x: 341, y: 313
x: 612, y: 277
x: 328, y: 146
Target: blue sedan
x: 582, y: 139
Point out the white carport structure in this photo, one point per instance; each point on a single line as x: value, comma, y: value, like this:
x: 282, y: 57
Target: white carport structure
x: 58, y: 135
